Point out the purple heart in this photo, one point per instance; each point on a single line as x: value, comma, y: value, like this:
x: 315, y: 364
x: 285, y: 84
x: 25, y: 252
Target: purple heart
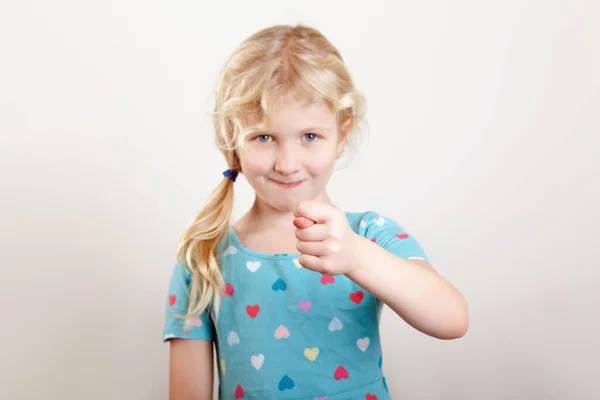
x: 305, y: 305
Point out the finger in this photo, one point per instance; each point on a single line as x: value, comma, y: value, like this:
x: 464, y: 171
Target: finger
x: 303, y: 222
x: 313, y: 233
x: 312, y: 248
x: 312, y: 263
x: 318, y: 212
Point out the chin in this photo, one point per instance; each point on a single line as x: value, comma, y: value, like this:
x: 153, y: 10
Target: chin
x: 285, y: 206
x: 288, y: 208
x: 288, y: 204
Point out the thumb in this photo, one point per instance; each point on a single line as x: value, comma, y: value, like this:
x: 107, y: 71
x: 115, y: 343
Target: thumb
x: 303, y: 222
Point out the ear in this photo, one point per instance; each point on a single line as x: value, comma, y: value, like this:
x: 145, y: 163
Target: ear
x: 343, y: 133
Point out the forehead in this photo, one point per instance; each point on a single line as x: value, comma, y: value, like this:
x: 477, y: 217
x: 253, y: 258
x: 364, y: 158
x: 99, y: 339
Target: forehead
x: 292, y: 115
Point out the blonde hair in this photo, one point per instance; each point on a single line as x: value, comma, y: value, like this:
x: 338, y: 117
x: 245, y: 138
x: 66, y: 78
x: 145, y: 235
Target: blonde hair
x: 269, y: 64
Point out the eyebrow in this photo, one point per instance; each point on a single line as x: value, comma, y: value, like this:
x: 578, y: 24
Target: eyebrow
x: 305, y: 130
x: 314, y: 128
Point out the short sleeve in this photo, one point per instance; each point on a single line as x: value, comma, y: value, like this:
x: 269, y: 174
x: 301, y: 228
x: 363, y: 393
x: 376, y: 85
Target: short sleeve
x: 391, y: 236
x: 201, y: 327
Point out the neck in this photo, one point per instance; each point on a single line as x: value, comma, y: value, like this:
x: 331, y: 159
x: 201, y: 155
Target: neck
x: 264, y: 215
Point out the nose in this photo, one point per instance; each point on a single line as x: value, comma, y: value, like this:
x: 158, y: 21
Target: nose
x: 287, y: 160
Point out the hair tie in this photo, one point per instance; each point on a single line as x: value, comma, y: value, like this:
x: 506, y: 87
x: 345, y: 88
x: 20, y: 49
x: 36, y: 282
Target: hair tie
x: 231, y: 174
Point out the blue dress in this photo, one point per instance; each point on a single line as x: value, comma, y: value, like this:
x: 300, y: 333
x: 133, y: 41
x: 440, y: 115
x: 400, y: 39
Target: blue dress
x: 285, y: 332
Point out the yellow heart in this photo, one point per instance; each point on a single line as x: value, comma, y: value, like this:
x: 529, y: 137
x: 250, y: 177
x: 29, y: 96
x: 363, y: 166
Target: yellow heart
x: 311, y: 354
x: 223, y: 368
x: 297, y: 263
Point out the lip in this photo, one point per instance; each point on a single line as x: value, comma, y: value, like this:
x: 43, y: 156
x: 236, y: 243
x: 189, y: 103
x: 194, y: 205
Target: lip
x: 287, y: 185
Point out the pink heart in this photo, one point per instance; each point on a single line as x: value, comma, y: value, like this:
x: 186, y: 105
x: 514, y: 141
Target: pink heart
x: 325, y: 279
x: 196, y: 321
x: 282, y: 332
x: 320, y: 398
x: 305, y: 305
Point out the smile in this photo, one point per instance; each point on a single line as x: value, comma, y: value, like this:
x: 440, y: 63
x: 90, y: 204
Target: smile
x: 287, y: 185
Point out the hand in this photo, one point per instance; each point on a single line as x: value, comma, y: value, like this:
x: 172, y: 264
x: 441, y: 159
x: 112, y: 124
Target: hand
x: 325, y: 239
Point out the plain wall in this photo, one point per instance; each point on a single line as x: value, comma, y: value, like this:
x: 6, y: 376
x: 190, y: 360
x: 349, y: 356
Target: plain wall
x: 484, y: 143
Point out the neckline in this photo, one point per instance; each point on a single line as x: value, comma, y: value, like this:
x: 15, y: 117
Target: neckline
x: 271, y: 256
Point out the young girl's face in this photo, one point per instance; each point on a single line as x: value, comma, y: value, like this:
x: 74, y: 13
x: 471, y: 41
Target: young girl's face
x: 294, y: 160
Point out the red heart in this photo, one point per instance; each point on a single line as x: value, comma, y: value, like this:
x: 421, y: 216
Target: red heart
x: 357, y: 297
x: 239, y: 392
x: 402, y: 236
x: 325, y: 279
x: 371, y: 397
x: 253, y: 310
x: 228, y: 290
x: 374, y: 240
x: 340, y: 373
x: 172, y: 300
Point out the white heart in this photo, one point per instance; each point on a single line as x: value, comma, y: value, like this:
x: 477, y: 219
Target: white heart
x: 363, y: 224
x: 253, y: 266
x: 230, y: 250
x: 380, y: 221
x: 233, y: 338
x: 363, y: 343
x: 335, y: 325
x: 257, y: 361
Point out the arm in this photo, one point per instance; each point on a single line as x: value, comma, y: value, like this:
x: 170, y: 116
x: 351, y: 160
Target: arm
x: 412, y: 289
x: 191, y: 369
x: 415, y: 292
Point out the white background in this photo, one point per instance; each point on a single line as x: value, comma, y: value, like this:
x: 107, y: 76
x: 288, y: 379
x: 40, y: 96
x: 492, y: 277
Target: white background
x: 484, y: 143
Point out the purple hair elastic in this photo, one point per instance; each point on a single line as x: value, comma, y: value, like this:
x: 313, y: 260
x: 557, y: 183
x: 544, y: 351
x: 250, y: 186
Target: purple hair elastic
x: 231, y: 174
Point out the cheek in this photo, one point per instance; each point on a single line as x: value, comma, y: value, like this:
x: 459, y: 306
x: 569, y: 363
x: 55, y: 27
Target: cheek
x: 324, y: 161
x: 254, y: 163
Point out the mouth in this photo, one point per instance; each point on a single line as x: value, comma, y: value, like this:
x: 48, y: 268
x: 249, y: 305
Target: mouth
x: 287, y: 185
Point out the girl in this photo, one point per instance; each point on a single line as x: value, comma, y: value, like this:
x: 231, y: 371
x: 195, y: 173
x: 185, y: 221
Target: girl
x: 292, y: 292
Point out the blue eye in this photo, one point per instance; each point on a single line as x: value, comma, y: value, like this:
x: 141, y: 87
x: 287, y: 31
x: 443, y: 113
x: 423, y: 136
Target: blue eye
x: 310, y: 137
x: 263, y: 138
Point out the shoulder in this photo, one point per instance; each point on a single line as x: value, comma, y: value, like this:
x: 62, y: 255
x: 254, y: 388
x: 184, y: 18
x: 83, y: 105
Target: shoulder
x: 181, y: 276
x: 386, y: 232
x: 367, y: 223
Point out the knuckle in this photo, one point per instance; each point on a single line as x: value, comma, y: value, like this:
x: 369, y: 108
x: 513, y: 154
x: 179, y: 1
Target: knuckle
x: 332, y: 246
x: 335, y: 246
x: 301, y: 207
x: 327, y: 267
